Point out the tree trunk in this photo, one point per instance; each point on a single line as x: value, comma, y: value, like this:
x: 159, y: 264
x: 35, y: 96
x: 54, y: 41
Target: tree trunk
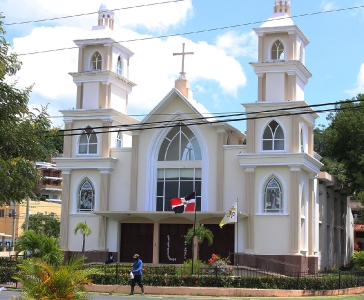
x: 83, y: 244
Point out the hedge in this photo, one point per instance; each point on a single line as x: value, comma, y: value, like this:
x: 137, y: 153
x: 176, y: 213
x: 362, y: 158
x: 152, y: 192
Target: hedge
x: 112, y: 274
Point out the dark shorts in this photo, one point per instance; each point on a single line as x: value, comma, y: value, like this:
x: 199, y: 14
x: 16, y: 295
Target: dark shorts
x: 137, y: 279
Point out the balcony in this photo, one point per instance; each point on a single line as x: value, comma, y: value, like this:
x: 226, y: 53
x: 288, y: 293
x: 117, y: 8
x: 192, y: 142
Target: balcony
x: 53, y: 178
x: 50, y: 187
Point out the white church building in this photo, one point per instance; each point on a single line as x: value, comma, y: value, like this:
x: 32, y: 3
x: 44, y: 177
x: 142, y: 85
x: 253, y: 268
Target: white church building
x: 119, y: 173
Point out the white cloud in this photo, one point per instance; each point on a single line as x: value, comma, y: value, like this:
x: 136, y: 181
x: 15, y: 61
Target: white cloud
x: 236, y: 44
x: 328, y: 5
x: 360, y: 84
x: 153, y: 67
x: 200, y: 88
x: 48, y: 71
x: 359, y: 12
x: 154, y: 18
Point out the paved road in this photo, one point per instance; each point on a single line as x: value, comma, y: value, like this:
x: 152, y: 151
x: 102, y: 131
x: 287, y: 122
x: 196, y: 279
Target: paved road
x: 8, y: 295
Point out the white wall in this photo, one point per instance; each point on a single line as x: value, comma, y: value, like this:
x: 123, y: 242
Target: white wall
x: 118, y: 99
x: 91, y: 94
x: 275, y: 88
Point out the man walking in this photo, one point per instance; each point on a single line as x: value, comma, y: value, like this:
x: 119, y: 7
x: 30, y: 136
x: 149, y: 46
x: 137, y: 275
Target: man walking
x: 137, y: 271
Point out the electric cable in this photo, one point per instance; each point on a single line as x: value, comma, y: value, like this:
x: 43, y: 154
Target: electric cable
x: 204, y: 30
x: 91, y: 13
x: 223, y: 116
x: 187, y: 123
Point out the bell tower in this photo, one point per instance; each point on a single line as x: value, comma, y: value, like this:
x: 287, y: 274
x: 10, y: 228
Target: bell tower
x: 102, y: 78
x: 106, y: 16
x: 281, y: 71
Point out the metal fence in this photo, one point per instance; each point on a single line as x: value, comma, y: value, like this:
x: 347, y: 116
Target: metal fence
x: 267, y: 264
x: 232, y: 276
x: 202, y: 275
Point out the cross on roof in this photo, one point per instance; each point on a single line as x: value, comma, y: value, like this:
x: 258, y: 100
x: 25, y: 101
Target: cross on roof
x: 183, y: 60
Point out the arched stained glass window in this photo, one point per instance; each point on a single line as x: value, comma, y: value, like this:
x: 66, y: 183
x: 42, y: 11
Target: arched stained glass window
x: 178, y: 180
x: 96, y: 61
x: 87, y: 142
x: 119, y: 66
x: 273, y: 196
x: 86, y: 197
x: 277, y: 51
x: 180, y: 144
x: 273, y: 137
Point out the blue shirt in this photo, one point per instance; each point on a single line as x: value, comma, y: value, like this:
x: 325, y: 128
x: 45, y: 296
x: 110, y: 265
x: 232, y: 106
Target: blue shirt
x: 137, y: 267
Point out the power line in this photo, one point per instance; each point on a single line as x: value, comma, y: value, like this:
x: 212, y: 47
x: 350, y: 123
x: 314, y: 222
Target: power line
x: 234, y: 114
x: 91, y: 13
x: 204, y: 30
x: 202, y: 121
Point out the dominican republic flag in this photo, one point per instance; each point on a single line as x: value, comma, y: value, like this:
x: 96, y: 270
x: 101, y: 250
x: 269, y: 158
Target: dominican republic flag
x: 186, y: 204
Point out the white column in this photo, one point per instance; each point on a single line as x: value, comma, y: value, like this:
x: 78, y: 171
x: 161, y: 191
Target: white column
x: 134, y: 171
x: 65, y: 209
x: 295, y: 211
x: 67, y: 140
x: 103, y: 206
x: 220, y: 170
x: 250, y: 207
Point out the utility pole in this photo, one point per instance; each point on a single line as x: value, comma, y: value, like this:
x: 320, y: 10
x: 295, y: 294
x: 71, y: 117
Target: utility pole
x: 27, y: 215
x: 13, y: 235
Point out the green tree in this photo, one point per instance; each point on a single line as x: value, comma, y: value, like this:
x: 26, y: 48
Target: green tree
x: 85, y: 230
x: 43, y: 224
x: 202, y: 233
x: 45, y: 281
x: 344, y: 137
x: 39, y: 246
x: 23, y: 133
x: 320, y: 142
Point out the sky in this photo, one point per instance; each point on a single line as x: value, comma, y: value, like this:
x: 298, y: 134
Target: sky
x: 219, y: 71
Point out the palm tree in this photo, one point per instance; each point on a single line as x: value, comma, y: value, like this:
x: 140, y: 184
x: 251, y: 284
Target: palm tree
x: 85, y: 231
x: 40, y: 246
x: 46, y: 281
x: 201, y: 232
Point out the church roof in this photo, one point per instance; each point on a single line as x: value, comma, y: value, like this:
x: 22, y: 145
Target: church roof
x: 195, y: 105
x: 358, y: 227
x: 198, y: 107
x: 277, y: 20
x: 103, y: 7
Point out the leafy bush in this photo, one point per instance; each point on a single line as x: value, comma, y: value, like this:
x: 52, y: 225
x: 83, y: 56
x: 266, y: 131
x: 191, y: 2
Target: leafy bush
x: 8, y: 268
x: 219, y: 265
x: 186, y: 268
x: 357, y: 261
x: 175, y: 276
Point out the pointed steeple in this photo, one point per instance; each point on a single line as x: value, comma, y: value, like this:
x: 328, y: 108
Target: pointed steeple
x: 106, y: 16
x: 282, y: 6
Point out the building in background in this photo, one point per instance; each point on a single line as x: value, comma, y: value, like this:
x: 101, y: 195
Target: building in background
x: 10, y: 222
x: 50, y: 187
x: 47, y: 202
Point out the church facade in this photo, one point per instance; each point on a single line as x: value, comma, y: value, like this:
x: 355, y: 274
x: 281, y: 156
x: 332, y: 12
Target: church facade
x: 119, y: 173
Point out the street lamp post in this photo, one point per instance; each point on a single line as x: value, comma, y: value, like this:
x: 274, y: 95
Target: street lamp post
x: 13, y: 214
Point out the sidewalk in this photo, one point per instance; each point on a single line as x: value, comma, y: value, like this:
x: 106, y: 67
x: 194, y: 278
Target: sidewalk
x: 220, y: 292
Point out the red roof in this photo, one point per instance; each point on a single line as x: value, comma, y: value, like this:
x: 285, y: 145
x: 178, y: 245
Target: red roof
x: 358, y: 226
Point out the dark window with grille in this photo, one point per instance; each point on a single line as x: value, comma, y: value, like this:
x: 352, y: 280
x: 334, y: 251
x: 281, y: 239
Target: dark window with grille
x: 359, y: 234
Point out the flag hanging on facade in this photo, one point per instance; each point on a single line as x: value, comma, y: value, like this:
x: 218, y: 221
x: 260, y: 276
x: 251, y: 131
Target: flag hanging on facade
x: 231, y: 216
x: 186, y: 204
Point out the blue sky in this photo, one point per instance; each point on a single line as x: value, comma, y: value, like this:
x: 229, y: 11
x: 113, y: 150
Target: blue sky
x: 219, y: 72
